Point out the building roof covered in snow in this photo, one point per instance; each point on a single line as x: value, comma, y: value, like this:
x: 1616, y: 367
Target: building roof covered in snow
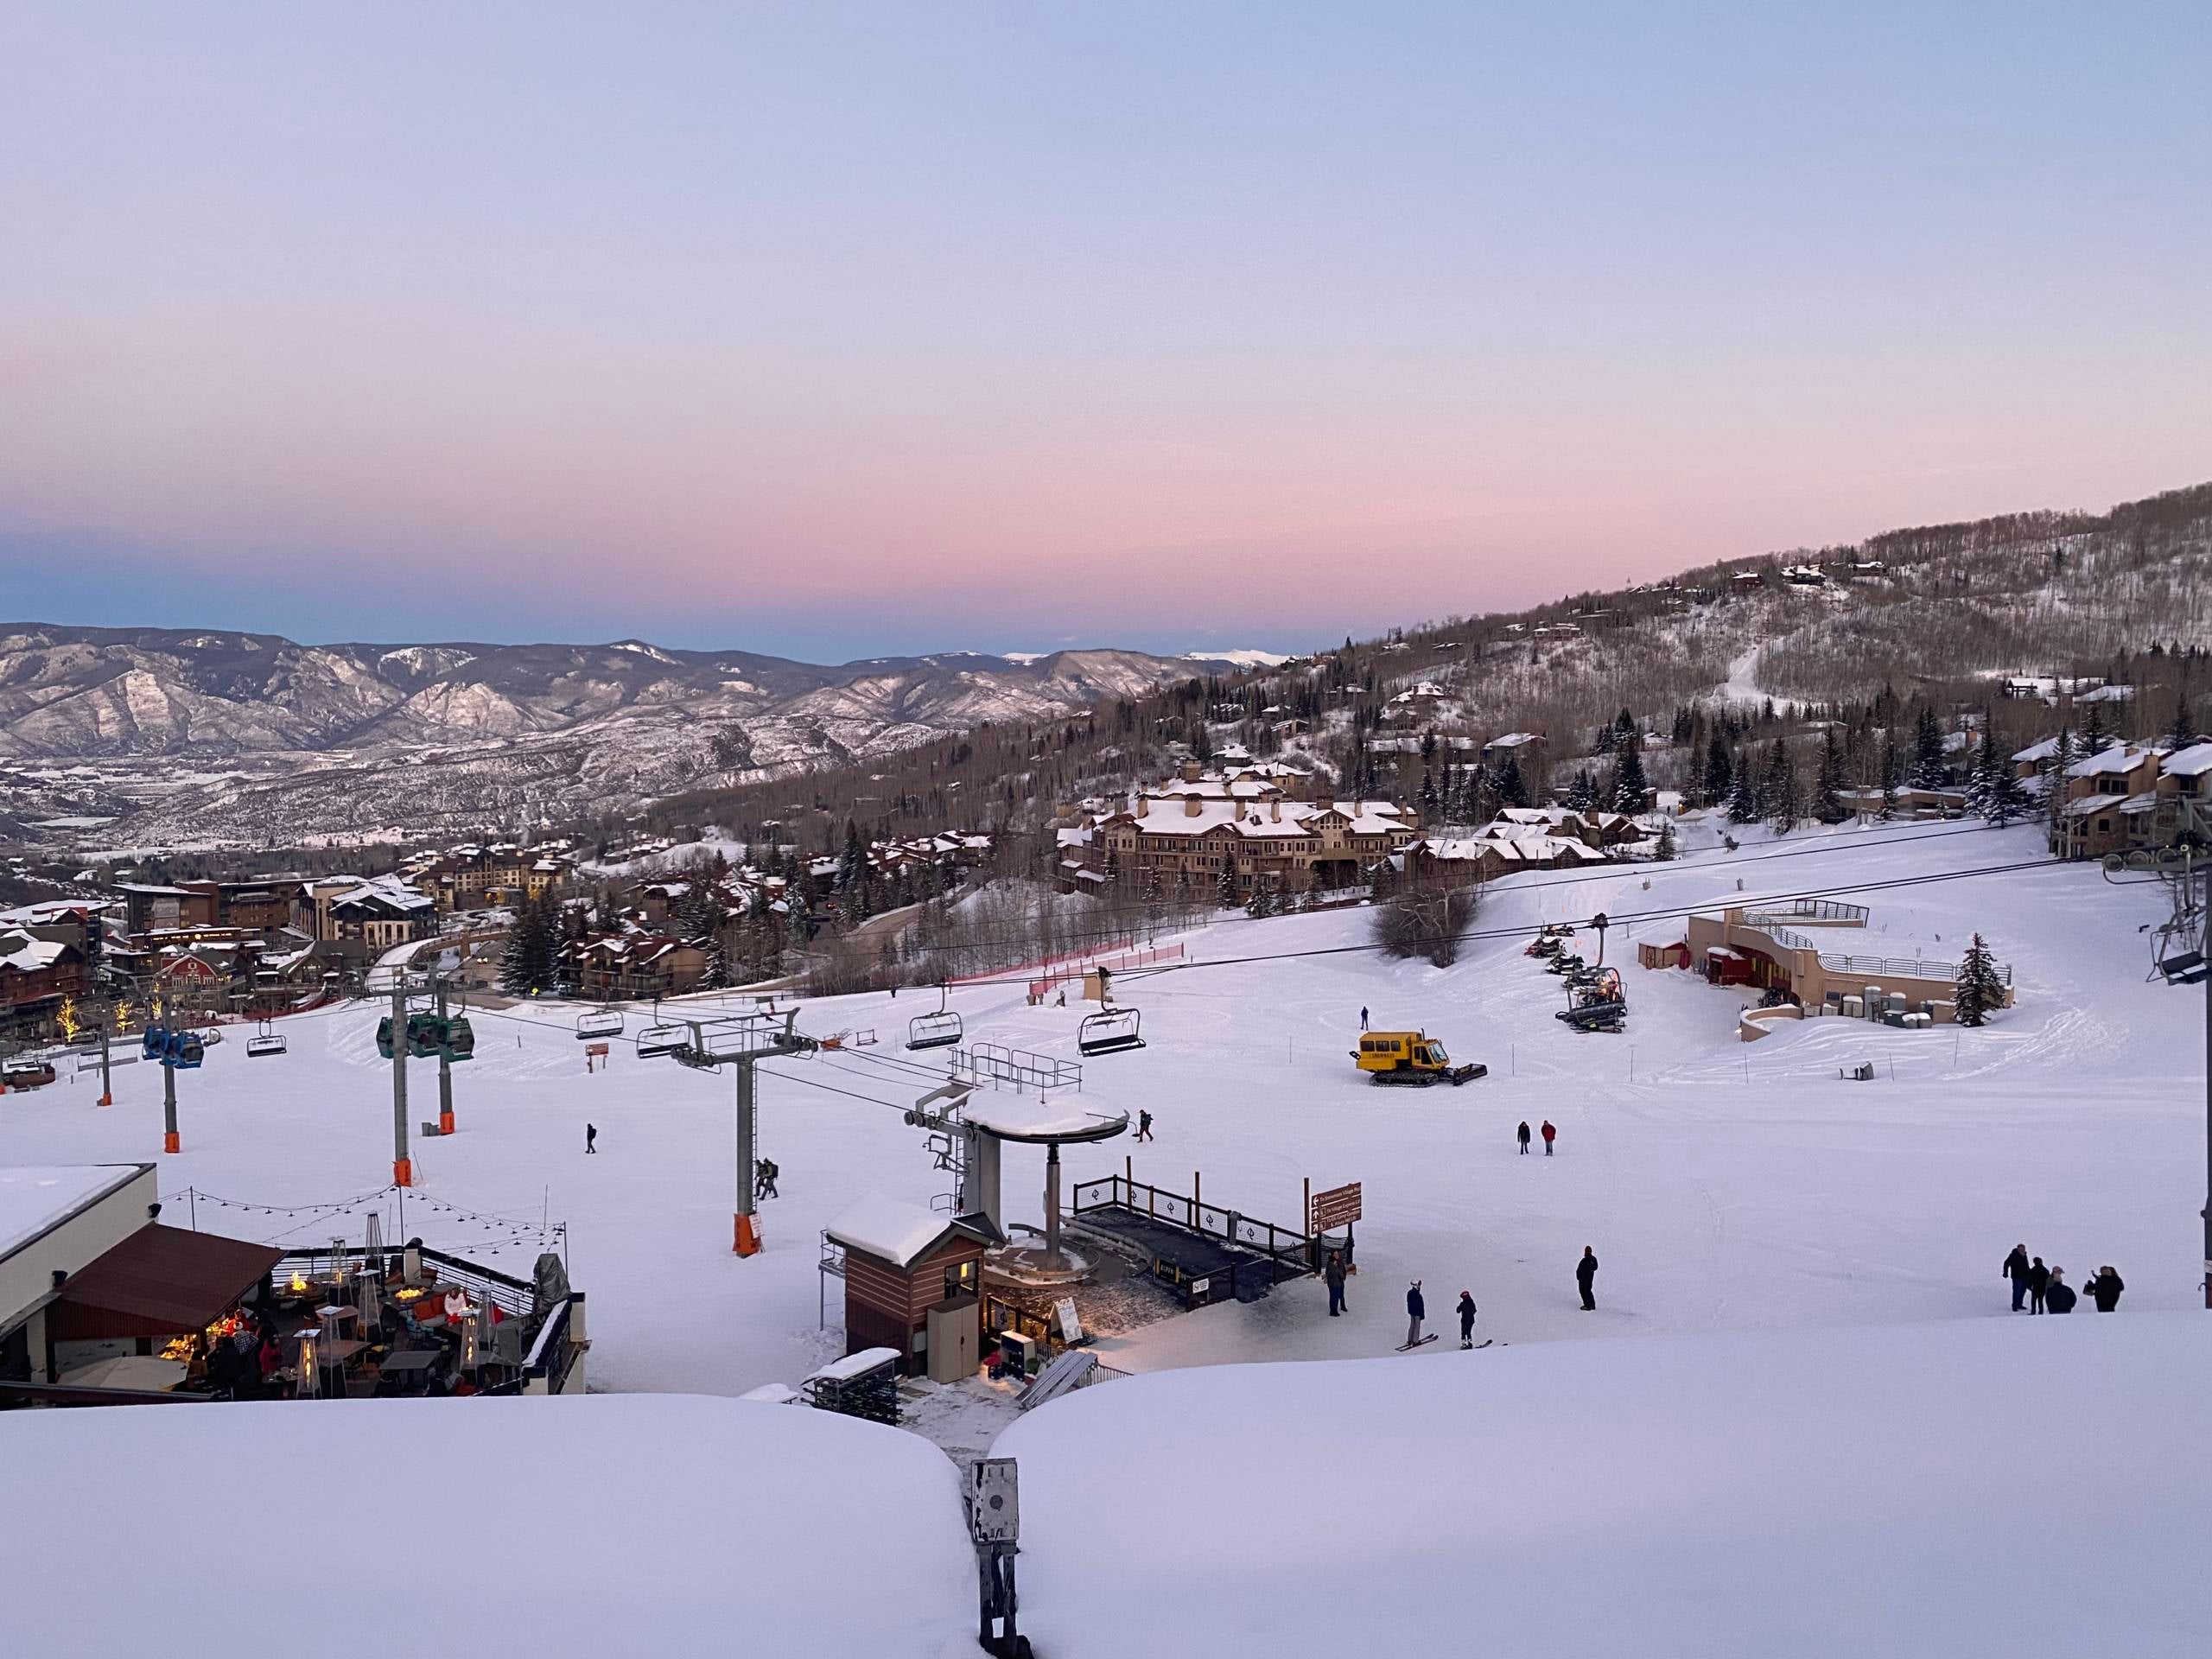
x: 2191, y: 762
x: 2120, y: 758
x: 899, y: 1232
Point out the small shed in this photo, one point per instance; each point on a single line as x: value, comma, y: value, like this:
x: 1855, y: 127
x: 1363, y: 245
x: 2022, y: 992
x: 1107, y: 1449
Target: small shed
x: 1675, y: 953
x: 902, y: 1262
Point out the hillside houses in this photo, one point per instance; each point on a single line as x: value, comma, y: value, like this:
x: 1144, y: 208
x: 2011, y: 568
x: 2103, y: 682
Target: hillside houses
x: 1229, y: 843
x: 2129, y: 797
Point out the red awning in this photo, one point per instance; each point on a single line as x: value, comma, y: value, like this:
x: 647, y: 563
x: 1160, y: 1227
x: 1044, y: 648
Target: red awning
x: 160, y: 1282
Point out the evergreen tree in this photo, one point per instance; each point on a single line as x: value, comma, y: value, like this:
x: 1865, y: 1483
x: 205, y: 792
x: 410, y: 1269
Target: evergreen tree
x: 1980, y: 986
x: 1260, y: 905
x: 1892, y: 775
x: 1226, y: 889
x: 2181, y: 730
x: 1631, y: 789
x: 1512, y: 790
x: 1743, y: 797
x: 1828, y: 805
x: 1582, y: 793
x: 1718, y: 771
x: 523, y: 959
x: 2003, y: 799
x: 1930, y: 769
x: 2095, y: 733
x: 2055, y: 784
x: 853, y: 861
x: 1668, y: 848
x: 1428, y: 798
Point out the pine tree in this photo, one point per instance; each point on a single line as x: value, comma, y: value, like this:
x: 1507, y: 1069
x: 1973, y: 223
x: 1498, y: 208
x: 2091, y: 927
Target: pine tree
x: 1260, y: 905
x: 1668, y: 848
x: 1744, y: 798
x: 1930, y: 769
x: 1427, y: 797
x: 1828, y: 805
x: 1982, y: 780
x: 1582, y: 793
x: 1512, y: 790
x: 1631, y: 789
x: 1980, y: 986
x: 520, y: 959
x: 2054, y: 778
x: 2095, y: 733
x: 853, y: 861
x: 2181, y: 730
x: 1226, y: 891
x: 1718, y: 771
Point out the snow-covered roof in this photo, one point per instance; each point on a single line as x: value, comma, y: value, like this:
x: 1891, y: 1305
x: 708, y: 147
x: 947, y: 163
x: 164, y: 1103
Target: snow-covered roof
x: 2036, y: 753
x: 1816, y: 1465
x: 2192, y: 762
x: 636, y: 1480
x: 37, y: 1197
x: 2120, y: 757
x: 2092, y: 804
x: 891, y: 1228
x: 27, y: 954
x: 1272, y: 821
x: 1512, y: 741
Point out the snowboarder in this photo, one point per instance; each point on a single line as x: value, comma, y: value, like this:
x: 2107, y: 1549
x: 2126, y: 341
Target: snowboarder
x: 1363, y: 1019
x: 1586, y: 1271
x: 2016, y: 1270
x: 2039, y: 1283
x: 764, y: 1180
x: 1550, y: 1135
x: 2104, y: 1289
x: 1522, y: 1135
x: 2058, y: 1295
x: 1144, y: 1125
x: 1333, y: 1277
x: 591, y: 1137
x: 1417, y: 1311
x: 1466, y: 1318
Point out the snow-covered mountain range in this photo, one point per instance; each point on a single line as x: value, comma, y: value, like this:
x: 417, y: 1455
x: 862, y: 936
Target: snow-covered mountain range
x: 184, y: 734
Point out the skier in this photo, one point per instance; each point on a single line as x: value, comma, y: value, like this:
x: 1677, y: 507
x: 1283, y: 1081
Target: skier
x: 1466, y: 1318
x: 2039, y: 1283
x: 1363, y: 1019
x: 2016, y: 1270
x: 1417, y: 1311
x: 1522, y: 1135
x: 591, y: 1135
x: 2104, y: 1289
x: 1550, y: 1135
x: 764, y: 1180
x: 1586, y: 1271
x: 1333, y: 1275
x: 2058, y: 1296
x: 1144, y: 1125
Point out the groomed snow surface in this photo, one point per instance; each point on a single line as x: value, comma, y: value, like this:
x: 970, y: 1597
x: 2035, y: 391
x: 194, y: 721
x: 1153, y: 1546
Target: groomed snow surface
x: 1728, y: 1188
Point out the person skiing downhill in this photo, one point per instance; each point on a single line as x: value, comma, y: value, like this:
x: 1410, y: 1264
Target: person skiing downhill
x: 1522, y: 1135
x: 1466, y: 1318
x: 1550, y: 1135
x: 1417, y: 1311
x: 2016, y: 1270
x: 2039, y: 1283
x: 1586, y: 1271
x: 591, y: 1137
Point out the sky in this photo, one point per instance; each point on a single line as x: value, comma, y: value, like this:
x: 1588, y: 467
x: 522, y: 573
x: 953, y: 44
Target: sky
x: 833, y: 331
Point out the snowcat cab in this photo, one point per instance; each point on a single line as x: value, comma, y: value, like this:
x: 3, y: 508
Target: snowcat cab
x: 1409, y: 1057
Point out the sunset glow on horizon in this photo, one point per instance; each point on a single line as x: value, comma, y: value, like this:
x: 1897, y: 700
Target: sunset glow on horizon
x: 833, y: 332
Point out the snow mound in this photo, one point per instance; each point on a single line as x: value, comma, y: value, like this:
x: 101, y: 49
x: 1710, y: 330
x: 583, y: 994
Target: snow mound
x: 626, y: 1524
x: 2009, y: 1486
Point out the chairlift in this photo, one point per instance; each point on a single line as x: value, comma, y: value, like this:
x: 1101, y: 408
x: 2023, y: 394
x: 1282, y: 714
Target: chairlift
x: 1109, y: 1031
x: 426, y: 1035
x: 939, y: 1030
x: 155, y: 1042
x: 606, y: 1022
x: 183, y: 1050
x: 661, y: 1039
x: 264, y: 1041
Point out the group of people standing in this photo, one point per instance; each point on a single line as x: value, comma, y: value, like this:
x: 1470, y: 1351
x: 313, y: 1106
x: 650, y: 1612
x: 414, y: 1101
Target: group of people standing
x: 1550, y: 1134
x: 2038, y: 1289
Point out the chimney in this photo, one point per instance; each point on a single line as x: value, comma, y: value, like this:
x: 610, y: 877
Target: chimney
x: 1192, y: 806
x: 1274, y: 811
x: 1190, y: 771
x: 1142, y: 803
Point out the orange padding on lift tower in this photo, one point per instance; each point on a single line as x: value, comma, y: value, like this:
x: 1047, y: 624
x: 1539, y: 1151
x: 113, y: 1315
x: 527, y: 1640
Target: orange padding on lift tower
x: 403, y: 1172
x: 748, y: 1237
x: 445, y: 1122
x: 171, y: 1142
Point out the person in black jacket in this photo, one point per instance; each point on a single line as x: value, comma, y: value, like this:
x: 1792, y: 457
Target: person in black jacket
x: 2016, y: 1270
x: 1333, y: 1277
x: 2038, y: 1281
x: 1522, y: 1135
x: 2104, y: 1289
x: 1417, y: 1311
x: 1586, y: 1271
x: 1466, y: 1318
x: 2058, y: 1295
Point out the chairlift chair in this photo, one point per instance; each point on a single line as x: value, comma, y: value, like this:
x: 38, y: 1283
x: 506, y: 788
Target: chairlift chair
x: 155, y: 1043
x: 661, y: 1039
x: 184, y: 1050
x: 1109, y: 1031
x: 939, y: 1030
x: 605, y: 1022
x: 426, y: 1035
x: 264, y: 1041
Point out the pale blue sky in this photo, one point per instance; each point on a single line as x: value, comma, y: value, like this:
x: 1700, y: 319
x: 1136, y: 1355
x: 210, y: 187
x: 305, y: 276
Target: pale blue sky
x: 834, y: 330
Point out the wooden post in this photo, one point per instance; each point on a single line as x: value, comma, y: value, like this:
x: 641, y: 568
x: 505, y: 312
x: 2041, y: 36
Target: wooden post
x: 1305, y: 1215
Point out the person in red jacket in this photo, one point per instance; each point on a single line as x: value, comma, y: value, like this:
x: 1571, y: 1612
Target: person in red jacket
x: 1550, y: 1135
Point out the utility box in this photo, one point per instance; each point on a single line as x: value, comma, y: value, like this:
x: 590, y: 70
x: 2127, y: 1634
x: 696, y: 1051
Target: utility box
x: 955, y: 1327
x: 995, y: 1505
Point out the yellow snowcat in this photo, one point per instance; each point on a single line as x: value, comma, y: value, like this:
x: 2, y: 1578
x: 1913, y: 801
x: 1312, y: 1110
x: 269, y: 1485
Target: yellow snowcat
x: 1409, y: 1057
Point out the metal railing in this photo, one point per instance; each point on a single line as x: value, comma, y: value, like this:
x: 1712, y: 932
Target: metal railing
x: 994, y: 1066
x: 515, y: 1298
x: 1285, y: 1244
x: 1827, y: 912
x: 1903, y: 968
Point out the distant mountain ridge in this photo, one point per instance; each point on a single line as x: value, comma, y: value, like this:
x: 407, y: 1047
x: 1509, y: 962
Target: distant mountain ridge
x: 447, y: 733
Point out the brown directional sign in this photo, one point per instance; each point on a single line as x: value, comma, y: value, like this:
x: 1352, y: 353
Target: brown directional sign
x: 1335, y: 1207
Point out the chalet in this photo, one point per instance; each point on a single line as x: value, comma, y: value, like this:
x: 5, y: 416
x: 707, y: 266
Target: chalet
x: 1524, y: 749
x: 1459, y: 860
x: 2111, y: 803
x: 38, y: 977
x: 624, y: 967
x: 380, y: 912
x: 1195, y: 840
